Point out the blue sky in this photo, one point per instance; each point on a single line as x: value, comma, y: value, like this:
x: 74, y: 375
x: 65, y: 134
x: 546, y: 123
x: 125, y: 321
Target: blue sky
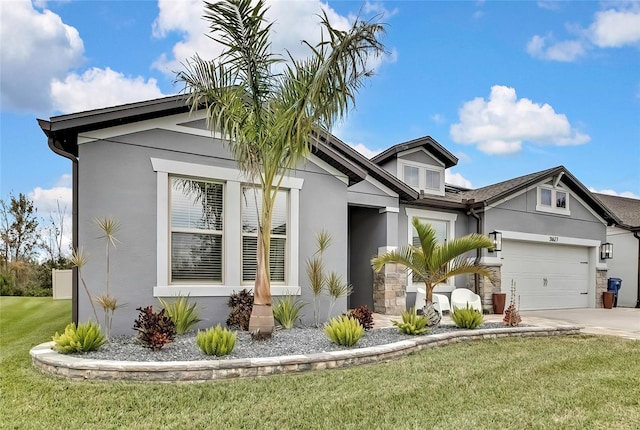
x: 509, y: 87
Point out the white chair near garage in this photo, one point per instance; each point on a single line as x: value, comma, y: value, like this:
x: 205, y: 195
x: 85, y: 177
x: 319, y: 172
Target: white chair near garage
x: 421, y: 299
x: 461, y: 297
x: 441, y: 303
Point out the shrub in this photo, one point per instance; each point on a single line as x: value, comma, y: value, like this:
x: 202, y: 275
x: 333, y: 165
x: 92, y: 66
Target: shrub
x: 363, y: 315
x: 155, y: 329
x: 183, y: 314
x: 82, y: 338
x: 241, y: 304
x: 344, y: 330
x: 287, y: 310
x: 412, y: 323
x: 467, y: 317
x: 216, y: 341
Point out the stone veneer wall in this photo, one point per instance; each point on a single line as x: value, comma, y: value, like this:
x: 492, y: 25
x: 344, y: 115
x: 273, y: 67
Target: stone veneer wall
x: 390, y: 290
x: 601, y: 286
x: 487, y: 286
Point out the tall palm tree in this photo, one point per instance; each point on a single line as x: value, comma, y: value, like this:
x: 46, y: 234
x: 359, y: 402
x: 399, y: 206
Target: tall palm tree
x: 433, y: 263
x: 268, y: 117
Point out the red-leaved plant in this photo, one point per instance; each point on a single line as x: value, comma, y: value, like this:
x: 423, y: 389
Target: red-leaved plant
x: 155, y: 329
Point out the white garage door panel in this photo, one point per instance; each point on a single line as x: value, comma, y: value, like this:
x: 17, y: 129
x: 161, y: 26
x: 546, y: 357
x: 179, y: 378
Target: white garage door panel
x: 547, y: 276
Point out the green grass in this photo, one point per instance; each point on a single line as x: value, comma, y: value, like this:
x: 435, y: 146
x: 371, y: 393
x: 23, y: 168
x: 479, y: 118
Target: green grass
x: 542, y: 383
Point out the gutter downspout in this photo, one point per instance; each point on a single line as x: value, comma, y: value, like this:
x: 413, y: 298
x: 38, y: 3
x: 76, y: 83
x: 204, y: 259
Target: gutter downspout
x: 476, y: 277
x: 635, y: 234
x: 74, y: 220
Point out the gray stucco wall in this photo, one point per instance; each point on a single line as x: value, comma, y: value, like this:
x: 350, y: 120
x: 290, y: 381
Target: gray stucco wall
x: 519, y: 214
x: 420, y: 157
x: 116, y: 179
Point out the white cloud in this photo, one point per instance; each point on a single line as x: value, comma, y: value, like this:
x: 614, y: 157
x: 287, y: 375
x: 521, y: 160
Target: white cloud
x: 544, y: 48
x: 49, y: 201
x: 456, y: 179
x: 97, y: 88
x: 614, y: 28
x: 362, y: 149
x: 609, y: 192
x: 41, y: 48
x: 293, y: 22
x: 502, y: 123
x: 549, y: 5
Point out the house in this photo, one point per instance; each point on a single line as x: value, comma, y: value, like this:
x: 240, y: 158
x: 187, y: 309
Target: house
x: 188, y: 223
x: 625, y: 238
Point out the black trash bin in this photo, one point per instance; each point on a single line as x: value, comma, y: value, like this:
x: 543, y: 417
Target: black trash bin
x: 614, y: 286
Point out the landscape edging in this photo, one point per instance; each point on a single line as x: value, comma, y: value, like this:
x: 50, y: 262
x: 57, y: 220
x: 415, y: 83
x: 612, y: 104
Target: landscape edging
x: 52, y: 362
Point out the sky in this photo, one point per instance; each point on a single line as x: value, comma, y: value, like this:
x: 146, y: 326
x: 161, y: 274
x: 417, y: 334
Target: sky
x: 510, y: 88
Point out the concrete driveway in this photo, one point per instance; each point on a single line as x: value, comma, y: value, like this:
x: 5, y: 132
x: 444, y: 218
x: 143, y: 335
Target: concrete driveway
x: 623, y: 322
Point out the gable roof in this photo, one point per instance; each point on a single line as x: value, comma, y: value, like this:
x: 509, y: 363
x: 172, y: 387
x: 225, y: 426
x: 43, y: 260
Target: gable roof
x: 492, y: 193
x: 427, y: 142
x: 626, y: 209
x: 63, y: 130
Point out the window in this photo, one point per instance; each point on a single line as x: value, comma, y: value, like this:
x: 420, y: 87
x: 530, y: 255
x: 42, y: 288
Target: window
x: 251, y: 204
x: 204, y: 228
x: 443, y: 224
x: 427, y: 178
x: 196, y: 230
x: 412, y: 176
x: 432, y: 179
x: 553, y: 200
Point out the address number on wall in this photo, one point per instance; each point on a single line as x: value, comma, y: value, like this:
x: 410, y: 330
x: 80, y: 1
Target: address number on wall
x: 553, y: 238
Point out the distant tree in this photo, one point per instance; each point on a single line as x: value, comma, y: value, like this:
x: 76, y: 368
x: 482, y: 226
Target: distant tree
x: 52, y: 234
x: 18, y: 230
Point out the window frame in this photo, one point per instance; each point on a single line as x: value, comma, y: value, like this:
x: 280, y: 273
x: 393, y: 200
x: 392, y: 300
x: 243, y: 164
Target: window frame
x: 233, y: 180
x: 189, y: 230
x: 553, y: 207
x: 422, y: 176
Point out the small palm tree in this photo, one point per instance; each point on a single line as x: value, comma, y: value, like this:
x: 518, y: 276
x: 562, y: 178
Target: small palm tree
x: 269, y: 117
x: 434, y: 263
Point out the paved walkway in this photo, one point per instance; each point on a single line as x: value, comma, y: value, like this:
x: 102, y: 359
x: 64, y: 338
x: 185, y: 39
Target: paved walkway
x: 623, y: 322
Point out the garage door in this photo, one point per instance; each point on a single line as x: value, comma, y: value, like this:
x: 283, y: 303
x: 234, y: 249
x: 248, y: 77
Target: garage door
x: 548, y: 276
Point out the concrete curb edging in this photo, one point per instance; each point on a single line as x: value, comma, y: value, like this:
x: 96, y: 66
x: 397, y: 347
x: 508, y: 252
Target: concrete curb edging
x: 49, y: 361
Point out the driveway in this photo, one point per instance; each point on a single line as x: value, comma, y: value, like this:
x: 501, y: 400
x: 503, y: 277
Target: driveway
x: 623, y: 322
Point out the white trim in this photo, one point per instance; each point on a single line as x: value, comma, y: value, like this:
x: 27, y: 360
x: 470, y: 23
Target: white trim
x: 233, y: 180
x: 150, y: 124
x: 328, y: 168
x: 389, y: 209
x: 218, y: 290
x: 422, y: 168
x: 566, y: 211
x: 550, y: 239
x: 421, y: 149
x: 214, y: 172
x: 373, y: 181
x: 385, y: 249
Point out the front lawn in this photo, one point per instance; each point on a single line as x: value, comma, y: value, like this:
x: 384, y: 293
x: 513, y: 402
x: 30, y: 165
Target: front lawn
x: 568, y: 382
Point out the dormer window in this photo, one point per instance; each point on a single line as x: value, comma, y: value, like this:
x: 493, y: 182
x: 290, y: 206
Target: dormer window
x: 422, y: 177
x: 553, y: 200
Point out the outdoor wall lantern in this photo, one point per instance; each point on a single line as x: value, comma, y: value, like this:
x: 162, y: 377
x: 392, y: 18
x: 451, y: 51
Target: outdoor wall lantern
x: 496, y: 238
x: 606, y: 251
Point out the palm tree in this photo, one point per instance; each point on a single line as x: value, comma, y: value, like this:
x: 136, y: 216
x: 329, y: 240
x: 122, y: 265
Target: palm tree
x: 268, y: 117
x: 433, y: 263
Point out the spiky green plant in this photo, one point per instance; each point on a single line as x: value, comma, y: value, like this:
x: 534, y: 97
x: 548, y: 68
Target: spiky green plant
x: 184, y: 314
x: 109, y: 227
x: 79, y: 259
x: 216, y: 341
x: 336, y: 288
x: 268, y: 114
x: 412, y: 323
x: 81, y: 338
x: 315, y: 272
x: 343, y: 330
x: 433, y: 262
x: 467, y: 317
x: 286, y: 310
